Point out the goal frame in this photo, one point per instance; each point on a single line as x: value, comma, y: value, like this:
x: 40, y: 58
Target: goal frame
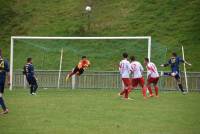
x: 13, y: 38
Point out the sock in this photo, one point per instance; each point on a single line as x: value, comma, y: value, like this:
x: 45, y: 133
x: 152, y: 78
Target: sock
x: 144, y: 89
x: 126, y: 93
x: 122, y: 92
x: 156, y: 90
x: 31, y: 89
x: 35, y: 88
x: 150, y: 90
x: 180, y: 87
x: 2, y: 103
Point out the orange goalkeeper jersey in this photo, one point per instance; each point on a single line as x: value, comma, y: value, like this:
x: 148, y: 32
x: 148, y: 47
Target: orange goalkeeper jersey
x: 83, y: 64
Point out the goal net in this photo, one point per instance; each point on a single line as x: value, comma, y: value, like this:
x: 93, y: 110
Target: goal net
x: 103, y: 52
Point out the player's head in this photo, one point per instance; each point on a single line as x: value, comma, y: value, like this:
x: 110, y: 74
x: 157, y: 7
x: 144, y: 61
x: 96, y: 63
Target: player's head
x: 132, y: 58
x: 84, y: 57
x: 146, y: 61
x: 174, y: 54
x: 125, y: 55
x: 29, y: 60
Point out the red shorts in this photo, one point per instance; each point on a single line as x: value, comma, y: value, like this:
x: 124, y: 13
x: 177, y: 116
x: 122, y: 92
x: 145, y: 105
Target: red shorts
x: 136, y: 81
x: 153, y: 80
x: 126, y: 81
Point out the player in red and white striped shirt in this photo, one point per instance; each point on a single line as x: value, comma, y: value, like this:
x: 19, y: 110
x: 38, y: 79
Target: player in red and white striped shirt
x: 137, y: 77
x: 125, y: 70
x: 152, y: 75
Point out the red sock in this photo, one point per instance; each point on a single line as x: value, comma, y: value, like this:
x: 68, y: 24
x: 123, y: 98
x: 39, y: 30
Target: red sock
x: 126, y: 93
x: 122, y: 92
x: 156, y: 90
x: 144, y: 89
x: 150, y: 91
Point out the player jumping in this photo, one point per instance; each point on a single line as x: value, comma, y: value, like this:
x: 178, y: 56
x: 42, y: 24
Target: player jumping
x: 83, y: 64
x: 4, y: 68
x: 125, y: 70
x: 174, y: 63
x: 152, y: 77
x: 137, y: 78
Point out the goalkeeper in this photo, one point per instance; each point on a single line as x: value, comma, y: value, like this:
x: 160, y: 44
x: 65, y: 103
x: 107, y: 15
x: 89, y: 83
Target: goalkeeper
x: 83, y: 64
x: 174, y: 62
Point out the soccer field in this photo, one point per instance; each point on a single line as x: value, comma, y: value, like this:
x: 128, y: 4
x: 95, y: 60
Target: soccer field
x: 99, y: 112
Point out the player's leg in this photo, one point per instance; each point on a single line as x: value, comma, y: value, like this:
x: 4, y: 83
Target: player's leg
x: 80, y: 71
x: 178, y: 80
x: 74, y: 71
x: 156, y: 86
x: 2, y: 103
x: 123, y: 89
x: 127, y: 87
x: 142, y: 82
x: 134, y: 83
x: 29, y: 80
x: 35, y: 85
x: 166, y: 74
x: 149, y: 82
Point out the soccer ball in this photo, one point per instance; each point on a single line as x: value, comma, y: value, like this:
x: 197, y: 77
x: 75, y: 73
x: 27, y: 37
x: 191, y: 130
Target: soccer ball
x: 88, y: 8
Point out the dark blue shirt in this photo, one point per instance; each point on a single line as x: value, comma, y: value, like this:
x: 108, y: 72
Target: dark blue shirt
x: 4, y: 67
x: 174, y: 62
x: 29, y: 70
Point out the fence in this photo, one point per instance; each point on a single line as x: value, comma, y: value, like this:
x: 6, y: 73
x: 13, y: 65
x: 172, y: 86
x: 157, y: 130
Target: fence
x: 98, y: 80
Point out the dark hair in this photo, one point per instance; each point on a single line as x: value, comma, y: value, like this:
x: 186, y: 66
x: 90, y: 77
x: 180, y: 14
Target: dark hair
x: 146, y: 59
x: 125, y: 55
x: 29, y: 59
x: 174, y: 54
x: 84, y: 57
x: 132, y: 58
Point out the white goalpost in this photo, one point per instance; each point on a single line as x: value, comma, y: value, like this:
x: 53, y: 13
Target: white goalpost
x: 185, y: 71
x: 14, y: 38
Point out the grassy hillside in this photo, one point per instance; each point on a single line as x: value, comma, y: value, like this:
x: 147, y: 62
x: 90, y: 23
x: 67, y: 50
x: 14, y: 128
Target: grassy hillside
x: 171, y: 23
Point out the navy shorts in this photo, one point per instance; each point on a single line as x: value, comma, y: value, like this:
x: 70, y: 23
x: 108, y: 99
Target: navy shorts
x: 31, y: 80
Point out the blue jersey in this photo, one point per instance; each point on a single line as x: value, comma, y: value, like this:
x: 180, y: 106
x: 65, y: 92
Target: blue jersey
x: 29, y: 70
x: 174, y: 62
x: 4, y: 67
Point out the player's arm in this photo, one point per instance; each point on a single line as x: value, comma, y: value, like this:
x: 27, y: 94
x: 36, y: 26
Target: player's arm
x: 80, y: 65
x: 119, y: 67
x: 166, y: 64
x: 148, y: 72
x: 130, y: 68
x: 87, y: 64
x: 141, y: 68
x: 189, y: 64
x: 184, y: 61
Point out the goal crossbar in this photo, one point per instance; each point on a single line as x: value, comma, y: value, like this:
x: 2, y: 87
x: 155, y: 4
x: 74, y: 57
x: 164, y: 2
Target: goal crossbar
x: 148, y: 38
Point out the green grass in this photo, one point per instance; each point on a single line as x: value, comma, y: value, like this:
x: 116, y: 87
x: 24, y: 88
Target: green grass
x: 171, y: 23
x: 99, y: 111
